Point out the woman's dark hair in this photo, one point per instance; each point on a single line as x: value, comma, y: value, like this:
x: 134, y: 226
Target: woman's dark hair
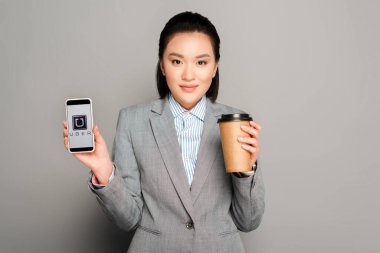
x: 187, y: 22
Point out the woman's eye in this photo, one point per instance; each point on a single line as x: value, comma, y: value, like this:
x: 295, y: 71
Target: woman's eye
x: 176, y: 62
x: 202, y: 62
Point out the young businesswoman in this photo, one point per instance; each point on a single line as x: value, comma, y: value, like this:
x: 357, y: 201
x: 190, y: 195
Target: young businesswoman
x: 166, y: 176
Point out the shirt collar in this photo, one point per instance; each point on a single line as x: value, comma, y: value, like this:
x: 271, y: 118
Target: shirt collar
x: 199, y: 110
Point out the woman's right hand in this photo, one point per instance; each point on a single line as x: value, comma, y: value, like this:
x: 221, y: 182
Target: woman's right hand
x: 98, y: 161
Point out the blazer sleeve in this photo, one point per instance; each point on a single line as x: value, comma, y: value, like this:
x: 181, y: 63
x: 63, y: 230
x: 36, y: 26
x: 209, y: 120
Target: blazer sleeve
x: 121, y: 199
x: 248, y: 201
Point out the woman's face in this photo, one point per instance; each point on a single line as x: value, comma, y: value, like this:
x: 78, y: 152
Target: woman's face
x: 189, y: 65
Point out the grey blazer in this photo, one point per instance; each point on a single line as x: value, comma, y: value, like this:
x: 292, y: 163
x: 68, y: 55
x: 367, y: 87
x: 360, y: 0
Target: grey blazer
x: 150, y: 192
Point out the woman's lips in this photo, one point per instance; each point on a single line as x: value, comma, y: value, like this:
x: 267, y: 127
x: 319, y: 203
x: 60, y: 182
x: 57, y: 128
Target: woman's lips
x: 188, y: 87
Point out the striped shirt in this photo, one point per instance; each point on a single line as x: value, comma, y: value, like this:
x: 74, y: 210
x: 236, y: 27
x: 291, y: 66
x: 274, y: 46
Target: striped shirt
x: 189, y: 126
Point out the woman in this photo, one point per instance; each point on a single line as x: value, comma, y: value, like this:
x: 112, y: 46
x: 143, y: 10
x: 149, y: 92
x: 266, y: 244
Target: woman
x: 167, y: 177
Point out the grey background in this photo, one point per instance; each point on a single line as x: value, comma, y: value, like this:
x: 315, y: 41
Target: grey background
x: 308, y: 71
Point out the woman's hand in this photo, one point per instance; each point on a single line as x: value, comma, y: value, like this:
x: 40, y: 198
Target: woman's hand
x: 98, y: 161
x: 251, y: 144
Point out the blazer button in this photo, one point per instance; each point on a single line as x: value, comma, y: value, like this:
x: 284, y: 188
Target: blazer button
x: 189, y: 225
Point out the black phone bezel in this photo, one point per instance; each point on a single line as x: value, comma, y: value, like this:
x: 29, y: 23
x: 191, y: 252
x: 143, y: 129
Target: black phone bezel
x: 81, y: 149
x: 78, y: 102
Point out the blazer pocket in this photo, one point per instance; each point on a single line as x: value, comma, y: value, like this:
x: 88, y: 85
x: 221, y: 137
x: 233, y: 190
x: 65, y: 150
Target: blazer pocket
x: 149, y: 230
x: 227, y: 233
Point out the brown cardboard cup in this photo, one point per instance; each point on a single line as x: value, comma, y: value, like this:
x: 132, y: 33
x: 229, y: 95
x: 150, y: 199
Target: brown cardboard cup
x: 236, y: 158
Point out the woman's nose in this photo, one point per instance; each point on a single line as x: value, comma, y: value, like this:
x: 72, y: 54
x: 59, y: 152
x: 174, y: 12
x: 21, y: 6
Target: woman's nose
x: 188, y: 74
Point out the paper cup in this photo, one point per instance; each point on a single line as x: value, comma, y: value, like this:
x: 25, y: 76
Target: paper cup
x: 236, y: 158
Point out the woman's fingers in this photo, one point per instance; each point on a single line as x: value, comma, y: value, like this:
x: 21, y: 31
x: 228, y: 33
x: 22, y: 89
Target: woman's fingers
x: 251, y: 144
x: 65, y: 142
x: 65, y: 132
x: 98, y: 137
x: 255, y: 125
x: 251, y: 149
x: 248, y: 140
x: 65, y: 135
x: 251, y: 131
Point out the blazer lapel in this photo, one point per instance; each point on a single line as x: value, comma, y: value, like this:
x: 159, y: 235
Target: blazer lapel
x: 207, y: 151
x: 165, y: 134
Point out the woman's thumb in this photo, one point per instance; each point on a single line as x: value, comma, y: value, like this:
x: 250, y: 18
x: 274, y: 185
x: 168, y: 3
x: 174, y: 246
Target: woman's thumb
x: 97, y: 135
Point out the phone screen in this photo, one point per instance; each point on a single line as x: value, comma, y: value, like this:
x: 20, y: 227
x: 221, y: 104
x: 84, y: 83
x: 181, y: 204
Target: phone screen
x: 79, y: 123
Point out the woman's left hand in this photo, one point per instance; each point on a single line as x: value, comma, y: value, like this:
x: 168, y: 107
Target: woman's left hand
x: 251, y: 144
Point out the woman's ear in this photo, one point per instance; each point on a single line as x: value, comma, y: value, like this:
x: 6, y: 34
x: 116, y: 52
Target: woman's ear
x: 215, y: 69
x: 162, y: 68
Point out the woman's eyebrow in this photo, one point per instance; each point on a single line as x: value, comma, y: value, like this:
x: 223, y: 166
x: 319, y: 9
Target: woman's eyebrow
x: 181, y: 56
x: 203, y: 55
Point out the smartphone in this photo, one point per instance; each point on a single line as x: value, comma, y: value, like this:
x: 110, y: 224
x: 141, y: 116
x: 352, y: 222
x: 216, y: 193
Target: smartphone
x: 79, y: 125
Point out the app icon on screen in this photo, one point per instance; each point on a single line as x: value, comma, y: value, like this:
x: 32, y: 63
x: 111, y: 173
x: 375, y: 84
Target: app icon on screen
x: 79, y: 122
